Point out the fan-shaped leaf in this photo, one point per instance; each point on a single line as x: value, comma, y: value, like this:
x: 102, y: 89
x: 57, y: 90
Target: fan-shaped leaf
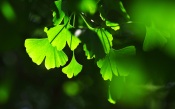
x: 72, y: 42
x: 73, y: 69
x: 108, y: 65
x: 116, y: 62
x: 38, y: 49
x: 57, y: 36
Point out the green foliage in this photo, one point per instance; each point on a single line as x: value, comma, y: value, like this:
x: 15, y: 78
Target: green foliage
x: 96, y: 24
x: 38, y: 49
x: 73, y: 68
x: 115, y: 63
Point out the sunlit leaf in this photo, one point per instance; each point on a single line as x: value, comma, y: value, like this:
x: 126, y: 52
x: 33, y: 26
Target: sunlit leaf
x: 57, y: 19
x: 117, y: 62
x: 38, y: 49
x: 73, y: 69
x: 72, y: 41
x: 108, y: 65
x: 55, y: 58
x: 114, y: 26
x: 155, y: 38
x: 57, y: 36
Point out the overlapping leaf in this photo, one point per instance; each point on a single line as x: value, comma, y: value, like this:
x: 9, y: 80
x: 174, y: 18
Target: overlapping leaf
x: 57, y: 19
x: 73, y: 69
x: 59, y: 35
x: 38, y: 49
x: 105, y: 38
x: 97, y: 43
x: 116, y: 62
x: 72, y: 41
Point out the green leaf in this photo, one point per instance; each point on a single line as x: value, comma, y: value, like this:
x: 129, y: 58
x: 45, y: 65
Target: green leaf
x: 73, y: 69
x: 57, y: 36
x: 114, y: 26
x: 72, y: 40
x: 57, y: 19
x: 117, y: 62
x: 108, y: 65
x: 117, y: 88
x: 105, y: 38
x: 38, y: 49
x: 93, y: 45
x: 155, y: 37
x: 97, y: 42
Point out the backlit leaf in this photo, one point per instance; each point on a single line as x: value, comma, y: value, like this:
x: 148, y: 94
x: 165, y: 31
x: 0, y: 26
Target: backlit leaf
x: 105, y: 38
x: 72, y: 40
x: 73, y: 69
x: 97, y: 43
x: 117, y: 62
x: 57, y: 36
x: 57, y: 19
x: 38, y: 49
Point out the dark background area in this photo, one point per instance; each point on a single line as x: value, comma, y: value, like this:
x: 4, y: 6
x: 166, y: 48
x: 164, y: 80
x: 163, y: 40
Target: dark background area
x: 24, y: 85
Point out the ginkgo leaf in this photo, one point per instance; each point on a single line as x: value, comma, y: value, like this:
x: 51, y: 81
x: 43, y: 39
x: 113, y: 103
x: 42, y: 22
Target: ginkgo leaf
x: 92, y: 44
x: 117, y: 62
x: 55, y: 58
x: 155, y: 37
x: 117, y: 88
x: 38, y: 49
x: 102, y: 40
x: 72, y: 40
x: 57, y: 36
x: 73, y: 69
x: 108, y: 65
x: 57, y: 19
x: 105, y: 38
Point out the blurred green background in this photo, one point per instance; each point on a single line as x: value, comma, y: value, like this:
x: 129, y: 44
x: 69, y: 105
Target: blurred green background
x: 24, y: 85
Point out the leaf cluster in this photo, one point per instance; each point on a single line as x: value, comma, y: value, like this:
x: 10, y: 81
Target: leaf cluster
x: 103, y: 27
